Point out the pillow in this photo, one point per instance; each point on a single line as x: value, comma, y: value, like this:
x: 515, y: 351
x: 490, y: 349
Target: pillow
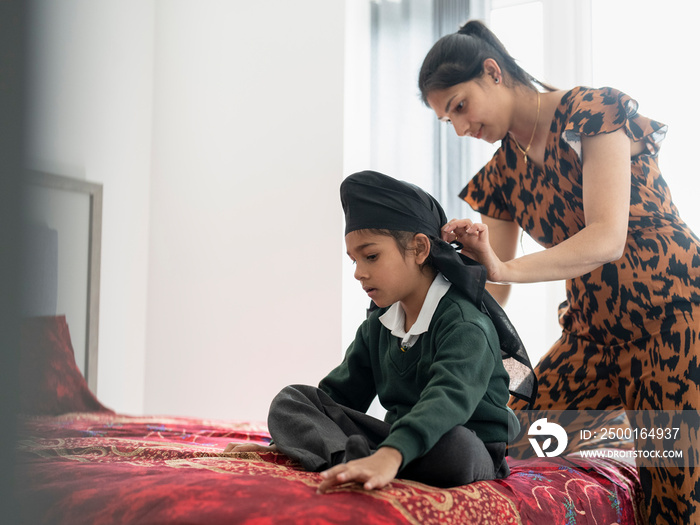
x: 50, y: 382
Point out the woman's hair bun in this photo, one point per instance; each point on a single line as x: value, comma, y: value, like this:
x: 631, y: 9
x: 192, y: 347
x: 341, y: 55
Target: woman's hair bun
x: 473, y: 28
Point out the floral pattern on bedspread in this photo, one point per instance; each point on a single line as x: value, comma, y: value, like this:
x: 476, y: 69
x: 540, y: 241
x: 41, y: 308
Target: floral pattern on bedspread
x: 106, y: 469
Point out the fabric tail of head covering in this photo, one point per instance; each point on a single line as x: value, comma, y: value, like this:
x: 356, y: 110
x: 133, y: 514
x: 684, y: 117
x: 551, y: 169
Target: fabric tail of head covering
x: 470, y: 277
x: 372, y: 200
x: 523, y: 381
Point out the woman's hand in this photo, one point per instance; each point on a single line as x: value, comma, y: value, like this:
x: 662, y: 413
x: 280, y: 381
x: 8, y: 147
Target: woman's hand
x: 374, y: 472
x: 474, y: 238
x: 249, y: 447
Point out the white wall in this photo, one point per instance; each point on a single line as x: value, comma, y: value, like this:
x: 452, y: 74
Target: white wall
x: 216, y: 129
x: 356, y: 145
x: 90, y: 105
x: 244, y: 274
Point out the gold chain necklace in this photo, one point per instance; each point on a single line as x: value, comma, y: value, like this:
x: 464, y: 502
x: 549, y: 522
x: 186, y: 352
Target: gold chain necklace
x: 537, y: 121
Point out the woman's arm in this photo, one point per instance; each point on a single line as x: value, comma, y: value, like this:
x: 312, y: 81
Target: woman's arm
x: 606, y: 203
x: 504, y: 242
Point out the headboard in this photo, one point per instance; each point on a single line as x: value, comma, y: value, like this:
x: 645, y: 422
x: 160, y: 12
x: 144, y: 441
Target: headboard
x: 61, y: 248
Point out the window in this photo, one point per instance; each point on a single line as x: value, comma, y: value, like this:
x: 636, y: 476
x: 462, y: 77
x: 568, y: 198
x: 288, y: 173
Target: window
x: 638, y: 46
x: 388, y: 128
x: 650, y: 57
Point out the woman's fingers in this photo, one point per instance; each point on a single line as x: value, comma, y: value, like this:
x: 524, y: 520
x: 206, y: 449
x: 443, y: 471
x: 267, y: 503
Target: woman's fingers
x: 463, y: 230
x: 453, y: 228
x: 476, y: 228
x: 461, y: 226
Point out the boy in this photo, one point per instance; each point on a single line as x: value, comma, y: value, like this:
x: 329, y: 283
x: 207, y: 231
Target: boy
x: 429, y: 350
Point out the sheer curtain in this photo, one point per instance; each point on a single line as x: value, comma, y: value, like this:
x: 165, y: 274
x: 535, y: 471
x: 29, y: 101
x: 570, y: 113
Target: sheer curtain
x: 406, y: 139
x: 400, y: 134
x: 388, y: 128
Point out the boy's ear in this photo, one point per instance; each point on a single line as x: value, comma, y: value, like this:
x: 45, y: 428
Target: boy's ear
x: 422, y: 243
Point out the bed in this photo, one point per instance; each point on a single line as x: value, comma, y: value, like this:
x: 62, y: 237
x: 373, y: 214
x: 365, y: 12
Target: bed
x: 78, y: 462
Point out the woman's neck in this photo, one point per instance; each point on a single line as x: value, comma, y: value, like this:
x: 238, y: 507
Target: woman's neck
x: 526, y: 116
x: 525, y: 121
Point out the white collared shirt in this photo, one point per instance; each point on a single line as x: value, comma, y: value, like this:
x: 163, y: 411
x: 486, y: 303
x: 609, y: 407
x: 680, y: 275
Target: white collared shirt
x: 395, y: 318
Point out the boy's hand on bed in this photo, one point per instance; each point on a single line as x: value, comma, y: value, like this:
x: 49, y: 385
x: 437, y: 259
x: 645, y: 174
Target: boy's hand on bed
x: 249, y: 447
x: 374, y: 472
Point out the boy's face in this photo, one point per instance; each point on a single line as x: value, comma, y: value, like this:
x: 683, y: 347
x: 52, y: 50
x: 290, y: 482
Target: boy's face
x: 386, y: 274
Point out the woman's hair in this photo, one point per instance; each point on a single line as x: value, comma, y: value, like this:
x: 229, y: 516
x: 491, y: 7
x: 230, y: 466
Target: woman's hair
x: 459, y: 57
x: 403, y: 242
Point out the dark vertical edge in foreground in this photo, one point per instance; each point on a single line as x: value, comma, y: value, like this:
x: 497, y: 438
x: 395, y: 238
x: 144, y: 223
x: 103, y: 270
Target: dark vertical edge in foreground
x: 13, y: 20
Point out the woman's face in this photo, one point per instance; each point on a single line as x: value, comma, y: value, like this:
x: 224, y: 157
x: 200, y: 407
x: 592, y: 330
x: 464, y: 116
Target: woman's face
x: 479, y: 108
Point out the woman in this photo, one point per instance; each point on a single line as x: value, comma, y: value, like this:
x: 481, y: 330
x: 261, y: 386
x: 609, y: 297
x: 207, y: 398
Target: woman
x: 577, y: 170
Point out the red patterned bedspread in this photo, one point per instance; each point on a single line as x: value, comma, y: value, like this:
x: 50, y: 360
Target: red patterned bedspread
x: 102, y: 468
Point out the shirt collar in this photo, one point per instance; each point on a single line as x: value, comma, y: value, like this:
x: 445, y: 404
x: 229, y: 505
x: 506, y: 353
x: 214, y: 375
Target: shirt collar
x: 394, y: 318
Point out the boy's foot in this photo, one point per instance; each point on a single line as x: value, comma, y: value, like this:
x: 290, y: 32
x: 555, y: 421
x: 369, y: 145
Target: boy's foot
x: 356, y: 448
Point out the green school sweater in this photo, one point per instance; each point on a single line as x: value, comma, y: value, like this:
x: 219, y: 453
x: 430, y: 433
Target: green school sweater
x: 453, y: 375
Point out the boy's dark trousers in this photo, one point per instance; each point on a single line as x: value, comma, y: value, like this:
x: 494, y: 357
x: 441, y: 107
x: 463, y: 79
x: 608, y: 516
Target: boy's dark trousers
x: 309, y: 427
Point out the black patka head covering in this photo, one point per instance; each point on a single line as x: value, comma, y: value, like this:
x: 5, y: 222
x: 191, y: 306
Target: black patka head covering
x: 372, y: 200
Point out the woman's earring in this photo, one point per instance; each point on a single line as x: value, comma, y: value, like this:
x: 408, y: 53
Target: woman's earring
x: 497, y: 80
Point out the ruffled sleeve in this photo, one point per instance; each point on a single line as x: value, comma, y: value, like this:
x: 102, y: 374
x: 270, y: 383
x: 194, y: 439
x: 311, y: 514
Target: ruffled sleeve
x: 485, y: 191
x: 606, y: 110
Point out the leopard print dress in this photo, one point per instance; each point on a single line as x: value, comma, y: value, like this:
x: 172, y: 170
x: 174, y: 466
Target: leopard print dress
x: 631, y: 328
